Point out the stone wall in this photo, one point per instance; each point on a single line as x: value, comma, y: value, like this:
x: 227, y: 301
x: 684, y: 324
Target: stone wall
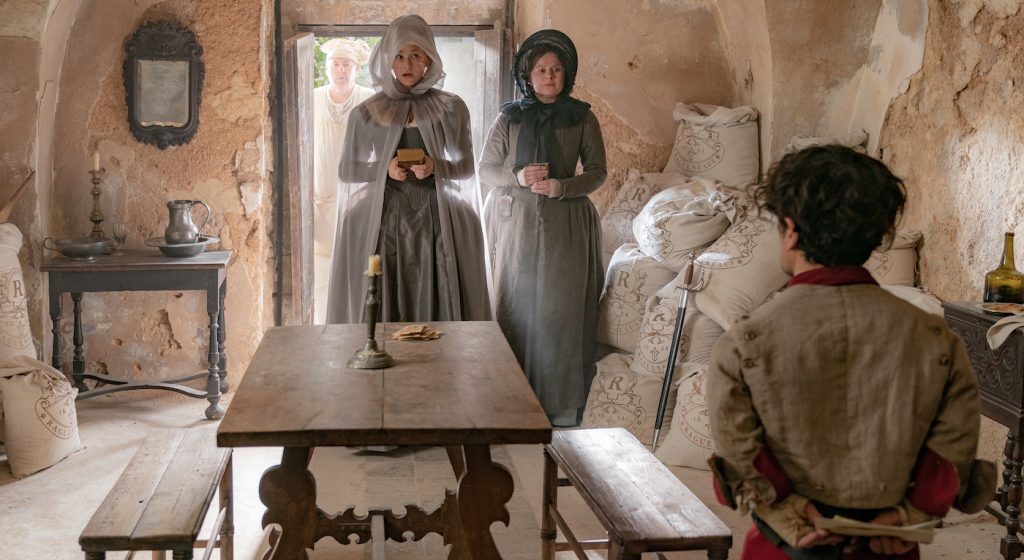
x: 957, y: 136
x: 227, y: 164
x: 375, y: 12
x: 22, y: 27
x: 637, y: 60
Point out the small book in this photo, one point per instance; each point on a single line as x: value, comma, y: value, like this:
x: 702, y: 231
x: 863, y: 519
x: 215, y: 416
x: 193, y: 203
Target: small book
x: 408, y: 157
x: 921, y: 533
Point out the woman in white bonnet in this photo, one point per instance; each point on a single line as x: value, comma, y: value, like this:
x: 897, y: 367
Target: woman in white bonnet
x: 332, y: 104
x: 423, y: 220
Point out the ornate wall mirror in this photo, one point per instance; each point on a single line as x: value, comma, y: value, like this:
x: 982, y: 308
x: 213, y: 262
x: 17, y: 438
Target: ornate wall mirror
x: 163, y: 79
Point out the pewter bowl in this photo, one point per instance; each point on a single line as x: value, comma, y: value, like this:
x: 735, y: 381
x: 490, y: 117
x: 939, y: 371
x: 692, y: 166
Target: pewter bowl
x: 81, y: 248
x: 182, y: 250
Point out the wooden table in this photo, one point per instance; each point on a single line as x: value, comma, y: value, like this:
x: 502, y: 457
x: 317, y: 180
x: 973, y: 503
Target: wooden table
x: 464, y: 391
x: 1001, y: 378
x: 143, y: 272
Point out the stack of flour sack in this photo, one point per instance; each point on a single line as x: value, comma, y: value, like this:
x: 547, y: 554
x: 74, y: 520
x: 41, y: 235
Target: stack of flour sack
x: 699, y: 204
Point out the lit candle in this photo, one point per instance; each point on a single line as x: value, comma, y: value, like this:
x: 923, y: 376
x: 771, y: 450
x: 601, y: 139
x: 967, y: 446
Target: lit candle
x: 374, y: 265
x: 96, y: 161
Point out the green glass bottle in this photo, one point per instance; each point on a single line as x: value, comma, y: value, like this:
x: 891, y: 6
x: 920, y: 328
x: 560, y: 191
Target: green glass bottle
x: 1005, y: 284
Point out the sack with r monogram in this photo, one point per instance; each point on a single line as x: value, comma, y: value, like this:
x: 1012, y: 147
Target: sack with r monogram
x: 40, y: 416
x: 15, y: 336
x: 621, y: 398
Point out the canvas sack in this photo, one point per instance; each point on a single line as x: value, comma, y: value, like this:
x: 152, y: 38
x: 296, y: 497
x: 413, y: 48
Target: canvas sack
x: 896, y: 264
x: 717, y: 143
x: 631, y: 279
x: 15, y: 336
x: 679, y: 220
x: 636, y: 190
x: 40, y: 416
x: 688, y: 442
x: 695, y: 342
x: 621, y: 398
x: 737, y: 272
x: 857, y: 141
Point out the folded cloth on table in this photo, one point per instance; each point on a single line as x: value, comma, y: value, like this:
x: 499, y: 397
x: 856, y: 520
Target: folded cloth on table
x: 416, y: 332
x: 999, y: 332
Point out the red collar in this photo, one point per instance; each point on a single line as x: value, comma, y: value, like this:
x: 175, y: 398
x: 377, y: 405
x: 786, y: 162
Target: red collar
x: 834, y: 276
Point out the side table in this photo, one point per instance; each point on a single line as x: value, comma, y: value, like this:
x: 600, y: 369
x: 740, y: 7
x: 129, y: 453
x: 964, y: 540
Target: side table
x: 1001, y: 379
x: 143, y: 272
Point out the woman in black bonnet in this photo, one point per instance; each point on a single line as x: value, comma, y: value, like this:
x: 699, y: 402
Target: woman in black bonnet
x: 543, y: 232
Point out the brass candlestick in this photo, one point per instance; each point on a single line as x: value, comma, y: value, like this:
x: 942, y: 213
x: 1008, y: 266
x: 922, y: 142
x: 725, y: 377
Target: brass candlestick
x: 371, y: 357
x: 96, y: 216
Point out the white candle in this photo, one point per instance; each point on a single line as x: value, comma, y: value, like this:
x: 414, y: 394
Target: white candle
x: 96, y: 161
x: 374, y: 265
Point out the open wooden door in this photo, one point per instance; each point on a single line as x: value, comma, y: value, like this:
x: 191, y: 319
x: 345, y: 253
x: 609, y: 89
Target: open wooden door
x: 490, y: 74
x: 297, y: 253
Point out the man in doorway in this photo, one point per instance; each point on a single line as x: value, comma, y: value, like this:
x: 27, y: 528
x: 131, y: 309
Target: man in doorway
x: 836, y: 397
x: 332, y: 104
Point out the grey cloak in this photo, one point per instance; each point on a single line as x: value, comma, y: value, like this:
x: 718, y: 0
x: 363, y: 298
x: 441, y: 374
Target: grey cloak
x: 545, y: 257
x: 374, y: 131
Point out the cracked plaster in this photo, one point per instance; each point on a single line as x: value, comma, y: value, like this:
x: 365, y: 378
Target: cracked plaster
x: 956, y: 138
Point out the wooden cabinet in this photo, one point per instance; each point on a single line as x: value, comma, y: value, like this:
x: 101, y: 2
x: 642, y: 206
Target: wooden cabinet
x: 1001, y: 378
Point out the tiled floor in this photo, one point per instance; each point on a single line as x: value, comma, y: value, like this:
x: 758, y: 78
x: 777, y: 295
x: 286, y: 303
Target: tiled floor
x: 41, y: 516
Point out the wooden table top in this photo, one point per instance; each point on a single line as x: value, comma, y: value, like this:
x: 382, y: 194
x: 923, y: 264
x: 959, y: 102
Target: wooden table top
x: 139, y: 260
x: 465, y: 388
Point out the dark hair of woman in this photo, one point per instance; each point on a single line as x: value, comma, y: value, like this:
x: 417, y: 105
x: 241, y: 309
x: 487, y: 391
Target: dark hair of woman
x: 842, y: 203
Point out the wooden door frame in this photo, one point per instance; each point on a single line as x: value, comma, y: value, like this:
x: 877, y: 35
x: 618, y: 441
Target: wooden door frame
x: 294, y: 249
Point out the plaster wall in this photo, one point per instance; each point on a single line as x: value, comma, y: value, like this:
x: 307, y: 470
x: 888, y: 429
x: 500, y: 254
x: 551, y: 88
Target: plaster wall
x: 744, y: 25
x: 817, y: 49
x: 957, y: 138
x: 22, y: 26
x: 637, y: 60
x: 226, y: 164
x: 375, y: 12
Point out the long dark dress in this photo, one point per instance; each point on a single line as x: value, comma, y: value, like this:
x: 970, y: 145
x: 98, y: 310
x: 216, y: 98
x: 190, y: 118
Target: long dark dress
x: 411, y: 247
x: 546, y: 260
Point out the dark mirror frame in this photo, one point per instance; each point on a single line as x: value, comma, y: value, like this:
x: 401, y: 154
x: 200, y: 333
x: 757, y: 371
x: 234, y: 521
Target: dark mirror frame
x: 163, y: 41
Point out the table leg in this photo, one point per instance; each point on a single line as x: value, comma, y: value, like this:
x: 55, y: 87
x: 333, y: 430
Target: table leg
x: 289, y: 492
x: 1010, y: 546
x: 78, y: 361
x: 457, y: 460
x: 215, y: 411
x: 483, y: 491
x: 57, y: 360
x: 222, y: 334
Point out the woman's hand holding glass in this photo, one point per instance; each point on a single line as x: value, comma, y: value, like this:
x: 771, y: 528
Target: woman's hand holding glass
x: 423, y: 170
x: 395, y: 171
x: 535, y: 172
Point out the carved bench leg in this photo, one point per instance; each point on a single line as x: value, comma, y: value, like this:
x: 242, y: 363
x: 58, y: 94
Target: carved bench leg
x: 718, y: 553
x: 548, y: 530
x: 182, y: 555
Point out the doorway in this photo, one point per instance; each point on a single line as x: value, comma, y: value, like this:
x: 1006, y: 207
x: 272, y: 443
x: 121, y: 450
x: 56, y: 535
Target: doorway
x: 476, y: 65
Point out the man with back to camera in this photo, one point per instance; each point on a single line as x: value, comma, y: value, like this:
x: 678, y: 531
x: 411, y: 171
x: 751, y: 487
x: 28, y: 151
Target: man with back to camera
x: 836, y: 397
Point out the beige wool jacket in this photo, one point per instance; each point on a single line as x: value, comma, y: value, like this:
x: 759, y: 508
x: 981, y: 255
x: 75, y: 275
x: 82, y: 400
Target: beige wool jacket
x: 844, y: 385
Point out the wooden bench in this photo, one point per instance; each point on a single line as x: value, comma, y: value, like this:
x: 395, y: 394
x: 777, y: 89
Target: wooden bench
x: 640, y: 503
x: 162, y: 497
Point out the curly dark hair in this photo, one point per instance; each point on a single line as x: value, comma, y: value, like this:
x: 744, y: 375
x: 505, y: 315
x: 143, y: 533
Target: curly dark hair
x: 843, y: 204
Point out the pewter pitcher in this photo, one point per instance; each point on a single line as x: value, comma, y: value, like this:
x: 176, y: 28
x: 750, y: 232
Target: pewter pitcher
x: 181, y: 229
